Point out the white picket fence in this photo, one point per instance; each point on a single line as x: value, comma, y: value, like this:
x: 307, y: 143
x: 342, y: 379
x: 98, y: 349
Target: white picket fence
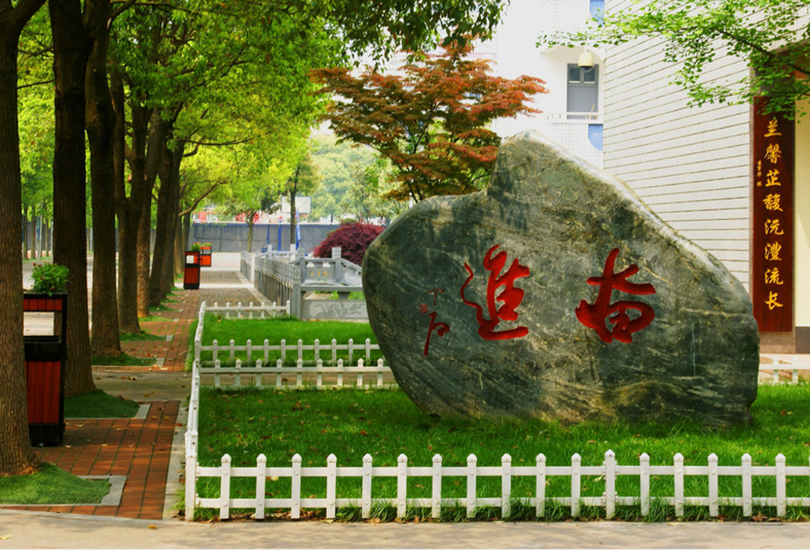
x: 780, y: 363
x: 609, y: 470
x: 319, y: 370
x: 313, y: 350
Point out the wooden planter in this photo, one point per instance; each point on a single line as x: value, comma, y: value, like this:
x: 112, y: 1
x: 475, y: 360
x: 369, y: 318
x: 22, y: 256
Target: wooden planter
x: 191, y: 272
x: 45, y: 372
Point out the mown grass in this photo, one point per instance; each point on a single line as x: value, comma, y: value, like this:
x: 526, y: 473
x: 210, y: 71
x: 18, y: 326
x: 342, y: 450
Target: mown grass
x: 98, y: 404
x: 52, y: 485
x: 290, y: 329
x: 350, y: 423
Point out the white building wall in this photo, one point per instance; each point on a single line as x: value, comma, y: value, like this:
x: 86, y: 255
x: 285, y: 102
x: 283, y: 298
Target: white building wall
x: 515, y: 52
x: 689, y: 164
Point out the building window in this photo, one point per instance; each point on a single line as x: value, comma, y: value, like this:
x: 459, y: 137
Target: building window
x: 583, y: 92
x: 598, y: 10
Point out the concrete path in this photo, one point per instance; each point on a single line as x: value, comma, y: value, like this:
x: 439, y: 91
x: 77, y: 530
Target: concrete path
x: 72, y: 531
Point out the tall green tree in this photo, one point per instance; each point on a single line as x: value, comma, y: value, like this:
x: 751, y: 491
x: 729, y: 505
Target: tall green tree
x: 303, y: 179
x: 16, y: 455
x: 431, y: 123
x: 769, y: 35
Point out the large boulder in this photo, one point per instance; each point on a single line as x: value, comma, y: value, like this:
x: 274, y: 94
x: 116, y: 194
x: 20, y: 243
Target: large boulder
x: 557, y: 293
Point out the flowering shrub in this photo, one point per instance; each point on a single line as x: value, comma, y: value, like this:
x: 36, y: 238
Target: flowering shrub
x: 353, y: 240
x: 49, y: 279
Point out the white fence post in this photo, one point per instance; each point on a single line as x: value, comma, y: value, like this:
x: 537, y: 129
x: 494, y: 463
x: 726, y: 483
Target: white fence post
x: 295, y: 508
x: 191, y: 475
x: 402, y: 485
x: 331, y: 486
x: 747, y: 494
x: 576, y: 478
x: 506, y: 486
x: 644, y: 484
x: 366, y: 488
x: 781, y: 481
x: 610, y: 484
x: 678, y: 482
x: 261, y: 481
x: 540, y: 502
x: 472, y: 473
x: 714, y: 505
x: 436, y: 501
x: 225, y: 487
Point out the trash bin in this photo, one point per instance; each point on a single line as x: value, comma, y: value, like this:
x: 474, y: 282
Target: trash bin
x: 191, y: 272
x: 45, y: 356
x: 205, y: 256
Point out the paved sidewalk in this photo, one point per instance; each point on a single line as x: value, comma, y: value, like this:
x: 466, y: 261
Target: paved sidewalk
x: 25, y: 530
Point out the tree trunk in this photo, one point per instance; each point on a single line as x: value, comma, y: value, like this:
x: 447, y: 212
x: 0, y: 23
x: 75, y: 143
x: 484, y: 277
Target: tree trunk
x: 128, y: 209
x: 167, y: 280
x: 100, y: 119
x: 16, y: 454
x: 165, y: 212
x: 292, y: 214
x: 250, y: 224
x: 154, y: 160
x: 178, y: 245
x: 72, y: 49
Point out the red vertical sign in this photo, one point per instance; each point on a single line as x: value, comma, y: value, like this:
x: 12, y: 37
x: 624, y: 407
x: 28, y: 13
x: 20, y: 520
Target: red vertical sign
x: 772, y: 243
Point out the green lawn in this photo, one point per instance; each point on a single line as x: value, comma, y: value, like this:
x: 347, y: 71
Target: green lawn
x: 52, y: 486
x: 287, y: 328
x: 98, y: 404
x: 351, y: 423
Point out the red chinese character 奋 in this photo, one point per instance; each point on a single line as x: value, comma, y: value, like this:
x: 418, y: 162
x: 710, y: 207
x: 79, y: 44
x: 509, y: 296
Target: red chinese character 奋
x: 601, y: 311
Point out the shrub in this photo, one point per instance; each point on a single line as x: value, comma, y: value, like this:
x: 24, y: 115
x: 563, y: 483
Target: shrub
x: 353, y: 240
x: 50, y: 278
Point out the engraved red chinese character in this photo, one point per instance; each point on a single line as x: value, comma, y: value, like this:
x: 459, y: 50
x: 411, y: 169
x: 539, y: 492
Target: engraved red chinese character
x: 440, y: 328
x: 510, y: 296
x: 595, y: 316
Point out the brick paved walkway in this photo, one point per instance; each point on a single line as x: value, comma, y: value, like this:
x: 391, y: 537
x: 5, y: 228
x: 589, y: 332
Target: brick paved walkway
x: 181, y: 312
x: 141, y: 449
x: 138, y: 449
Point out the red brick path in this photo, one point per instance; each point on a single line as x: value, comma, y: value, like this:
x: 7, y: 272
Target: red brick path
x: 177, y: 320
x: 138, y: 449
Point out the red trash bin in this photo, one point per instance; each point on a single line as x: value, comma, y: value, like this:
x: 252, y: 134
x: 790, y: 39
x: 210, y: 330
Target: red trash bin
x: 191, y: 273
x: 205, y: 256
x: 45, y: 372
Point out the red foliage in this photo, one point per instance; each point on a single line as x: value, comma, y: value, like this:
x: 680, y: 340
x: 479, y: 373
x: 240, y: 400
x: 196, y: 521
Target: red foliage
x: 431, y: 121
x: 353, y: 240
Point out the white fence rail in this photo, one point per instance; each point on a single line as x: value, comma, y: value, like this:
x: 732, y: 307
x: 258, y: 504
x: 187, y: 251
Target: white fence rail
x: 609, y: 470
x: 792, y: 365
x: 306, y: 354
x: 319, y: 370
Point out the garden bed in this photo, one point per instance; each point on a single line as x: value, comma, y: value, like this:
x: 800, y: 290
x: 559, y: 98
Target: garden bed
x: 349, y: 424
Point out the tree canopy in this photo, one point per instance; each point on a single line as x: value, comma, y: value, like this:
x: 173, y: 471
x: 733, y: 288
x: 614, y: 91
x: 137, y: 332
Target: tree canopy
x: 768, y: 34
x: 431, y: 122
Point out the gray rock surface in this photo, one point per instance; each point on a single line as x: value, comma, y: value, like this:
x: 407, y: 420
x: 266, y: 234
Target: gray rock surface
x: 679, y: 339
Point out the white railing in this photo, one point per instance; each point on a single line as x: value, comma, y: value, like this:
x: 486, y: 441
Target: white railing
x: 780, y: 363
x: 279, y: 370
x: 609, y: 471
x: 283, y: 348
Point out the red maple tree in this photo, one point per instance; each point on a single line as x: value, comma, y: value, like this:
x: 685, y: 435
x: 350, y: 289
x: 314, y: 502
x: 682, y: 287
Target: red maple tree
x: 431, y: 121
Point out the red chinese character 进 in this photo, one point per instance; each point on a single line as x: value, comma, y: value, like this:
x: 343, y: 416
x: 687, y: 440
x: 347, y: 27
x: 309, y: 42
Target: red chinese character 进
x: 510, y: 296
x: 594, y: 316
